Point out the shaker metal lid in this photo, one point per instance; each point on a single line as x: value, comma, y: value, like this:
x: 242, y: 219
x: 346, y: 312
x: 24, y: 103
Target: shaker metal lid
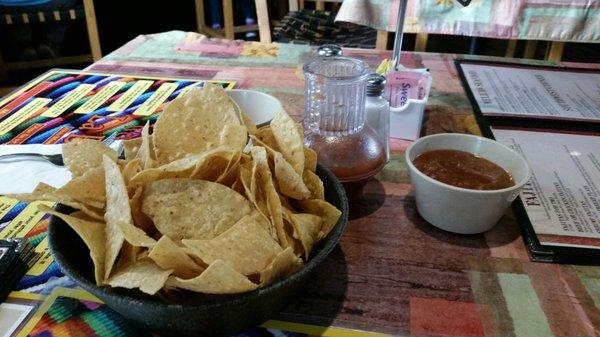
x: 329, y: 50
x: 375, y: 84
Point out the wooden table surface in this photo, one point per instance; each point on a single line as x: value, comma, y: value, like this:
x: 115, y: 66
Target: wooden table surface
x: 393, y: 272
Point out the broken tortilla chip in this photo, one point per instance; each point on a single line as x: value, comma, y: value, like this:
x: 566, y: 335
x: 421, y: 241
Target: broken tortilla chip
x: 218, y: 278
x: 283, y: 265
x: 290, y: 183
x: 329, y: 213
x: 314, y: 184
x: 246, y: 246
x: 91, y: 233
x: 167, y: 255
x: 144, y: 275
x: 289, y: 140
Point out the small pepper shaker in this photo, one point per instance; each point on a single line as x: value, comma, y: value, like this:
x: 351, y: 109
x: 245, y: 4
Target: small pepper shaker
x: 377, y: 110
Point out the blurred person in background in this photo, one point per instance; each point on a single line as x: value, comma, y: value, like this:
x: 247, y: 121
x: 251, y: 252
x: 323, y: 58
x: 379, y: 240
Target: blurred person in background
x: 247, y: 8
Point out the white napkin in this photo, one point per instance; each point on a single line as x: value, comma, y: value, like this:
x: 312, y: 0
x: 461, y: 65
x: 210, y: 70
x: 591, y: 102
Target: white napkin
x: 23, y: 174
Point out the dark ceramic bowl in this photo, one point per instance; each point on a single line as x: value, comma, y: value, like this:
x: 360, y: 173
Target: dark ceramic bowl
x: 217, y: 315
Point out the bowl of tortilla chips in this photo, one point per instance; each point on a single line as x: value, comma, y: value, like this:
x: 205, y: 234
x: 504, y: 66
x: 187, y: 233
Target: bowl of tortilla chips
x: 208, y: 225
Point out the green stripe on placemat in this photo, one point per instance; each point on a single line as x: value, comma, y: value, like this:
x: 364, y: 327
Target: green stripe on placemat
x: 121, y: 128
x: 106, y: 322
x: 36, y: 239
x: 30, y: 122
x: 64, y: 309
x: 524, y: 306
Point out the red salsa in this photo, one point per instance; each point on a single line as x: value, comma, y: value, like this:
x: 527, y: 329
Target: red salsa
x: 463, y: 169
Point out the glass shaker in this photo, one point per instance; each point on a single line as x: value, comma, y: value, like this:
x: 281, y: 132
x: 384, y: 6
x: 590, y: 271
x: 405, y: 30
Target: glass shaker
x: 335, y: 121
x: 377, y: 109
x: 328, y: 50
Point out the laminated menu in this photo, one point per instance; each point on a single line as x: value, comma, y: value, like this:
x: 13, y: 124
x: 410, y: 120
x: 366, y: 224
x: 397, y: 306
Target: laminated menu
x: 503, y: 90
x: 551, y: 115
x: 562, y: 198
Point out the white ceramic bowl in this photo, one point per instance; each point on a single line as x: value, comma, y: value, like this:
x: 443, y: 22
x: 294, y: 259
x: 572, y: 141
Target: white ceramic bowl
x: 457, y: 209
x: 259, y: 106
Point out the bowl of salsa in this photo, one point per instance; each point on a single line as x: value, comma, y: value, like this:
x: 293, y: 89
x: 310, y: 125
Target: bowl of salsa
x: 464, y: 183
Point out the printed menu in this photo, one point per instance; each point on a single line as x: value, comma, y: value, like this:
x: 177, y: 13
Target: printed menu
x: 562, y: 198
x: 509, y: 90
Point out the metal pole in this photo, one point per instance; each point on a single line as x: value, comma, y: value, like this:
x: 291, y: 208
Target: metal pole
x: 399, y: 32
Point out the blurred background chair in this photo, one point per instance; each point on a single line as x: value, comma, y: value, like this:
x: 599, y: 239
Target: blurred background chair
x: 223, y: 11
x: 33, y: 33
x: 316, y: 27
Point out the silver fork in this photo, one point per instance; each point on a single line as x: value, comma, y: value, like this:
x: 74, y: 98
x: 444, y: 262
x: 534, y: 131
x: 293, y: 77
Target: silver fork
x: 55, y: 159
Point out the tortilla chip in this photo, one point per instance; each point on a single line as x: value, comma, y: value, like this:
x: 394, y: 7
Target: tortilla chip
x: 247, y: 247
x: 181, y: 168
x: 88, y: 188
x: 262, y: 182
x: 43, y: 188
x: 146, y: 152
x: 134, y: 235
x: 127, y: 256
x: 192, y: 209
x: 131, y: 147
x: 214, y: 166
x: 260, y: 169
x: 37, y: 193
x: 140, y: 219
x: 230, y: 174
x: 300, y: 129
x: 282, y: 266
x: 237, y: 186
x: 193, y: 123
x: 130, y: 170
x: 167, y: 255
x: 245, y: 178
x: 260, y: 204
x: 234, y: 137
x: 218, y: 278
x: 144, y: 275
x: 81, y: 155
x: 310, y: 159
x: 314, y: 184
x: 289, y: 232
x: 246, y: 159
x: 142, y: 254
x: 264, y: 222
x: 266, y: 138
x: 92, y: 234
x: 247, y: 121
x: 48, y: 193
x: 289, y: 140
x: 208, y: 165
x: 118, y: 212
x: 329, y: 213
x: 290, y: 183
x: 306, y: 229
x: 258, y: 199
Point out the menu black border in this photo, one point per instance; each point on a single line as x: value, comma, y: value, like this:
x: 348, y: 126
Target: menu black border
x: 560, y: 123
x: 538, y: 251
